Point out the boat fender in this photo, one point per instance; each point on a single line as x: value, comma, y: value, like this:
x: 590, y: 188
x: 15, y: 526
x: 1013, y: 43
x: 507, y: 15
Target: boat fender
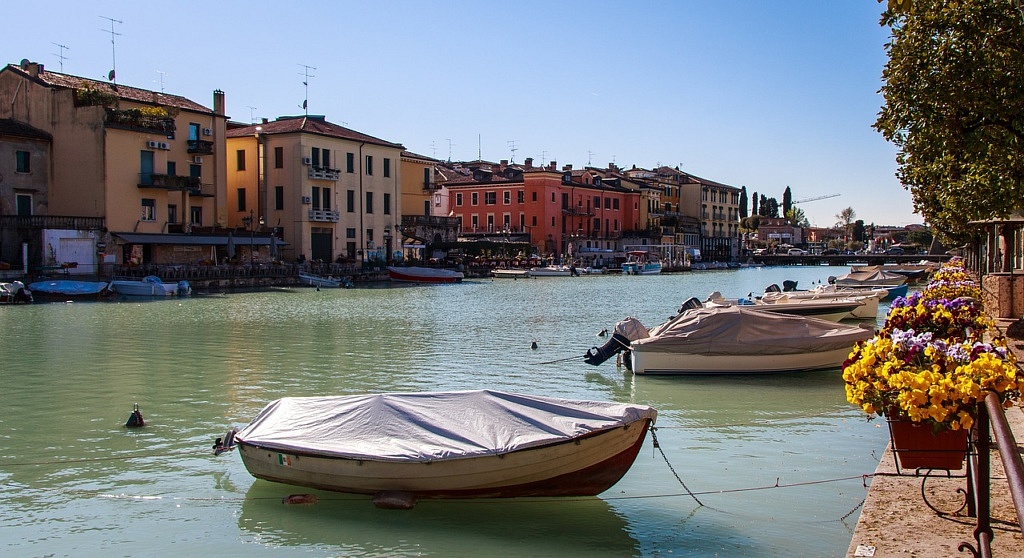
x: 299, y: 499
x: 135, y: 419
x: 595, y: 356
x: 394, y: 500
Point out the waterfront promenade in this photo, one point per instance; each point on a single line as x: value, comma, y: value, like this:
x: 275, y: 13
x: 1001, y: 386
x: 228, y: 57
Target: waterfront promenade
x: 896, y: 521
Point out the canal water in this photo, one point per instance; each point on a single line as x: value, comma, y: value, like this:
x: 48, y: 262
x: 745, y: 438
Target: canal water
x: 747, y: 465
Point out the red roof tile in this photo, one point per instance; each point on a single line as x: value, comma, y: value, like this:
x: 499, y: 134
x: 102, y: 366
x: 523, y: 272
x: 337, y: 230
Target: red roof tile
x: 308, y: 125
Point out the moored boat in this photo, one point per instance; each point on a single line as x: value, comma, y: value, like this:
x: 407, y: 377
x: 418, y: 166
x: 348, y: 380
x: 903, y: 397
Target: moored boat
x: 463, y: 444
x: 150, y: 285
x: 67, y: 289
x: 639, y: 262
x: 313, y: 280
x: 552, y: 271
x: 14, y: 292
x: 832, y: 309
x: 413, y: 274
x: 868, y: 297
x: 499, y: 273
x: 894, y: 283
x: 730, y: 340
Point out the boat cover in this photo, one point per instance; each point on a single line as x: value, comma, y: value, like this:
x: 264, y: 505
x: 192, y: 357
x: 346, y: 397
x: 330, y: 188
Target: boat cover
x: 429, y: 426
x: 870, y: 278
x: 68, y: 287
x: 744, y: 330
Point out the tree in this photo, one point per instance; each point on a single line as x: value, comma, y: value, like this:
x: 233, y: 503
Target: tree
x: 858, y: 230
x: 769, y: 207
x: 797, y: 217
x: 743, y: 202
x: 755, y: 207
x: 954, y: 107
x: 844, y: 220
x: 787, y: 201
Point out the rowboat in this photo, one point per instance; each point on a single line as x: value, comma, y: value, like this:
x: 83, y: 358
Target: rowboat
x: 499, y: 273
x: 462, y: 444
x: 414, y: 274
x: 68, y: 289
x: 730, y: 340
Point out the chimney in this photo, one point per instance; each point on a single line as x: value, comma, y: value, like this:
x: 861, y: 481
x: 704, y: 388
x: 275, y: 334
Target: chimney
x: 264, y: 119
x: 33, y: 68
x: 218, y: 102
x: 528, y: 163
x: 567, y: 167
x: 612, y: 167
x: 502, y: 164
x: 552, y: 165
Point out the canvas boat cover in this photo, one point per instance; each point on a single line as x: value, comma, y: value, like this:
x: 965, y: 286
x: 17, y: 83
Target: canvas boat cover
x: 429, y: 426
x: 870, y: 278
x: 744, y: 330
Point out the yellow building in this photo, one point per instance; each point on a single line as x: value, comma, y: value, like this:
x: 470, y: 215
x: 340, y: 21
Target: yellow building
x: 327, y: 192
x: 133, y: 166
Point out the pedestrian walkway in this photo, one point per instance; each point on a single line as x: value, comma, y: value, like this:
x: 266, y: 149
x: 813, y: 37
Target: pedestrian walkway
x: 896, y: 521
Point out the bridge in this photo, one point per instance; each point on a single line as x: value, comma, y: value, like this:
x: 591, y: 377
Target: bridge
x: 848, y: 259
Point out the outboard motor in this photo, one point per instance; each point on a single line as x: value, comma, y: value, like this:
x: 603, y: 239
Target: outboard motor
x: 184, y: 288
x: 773, y: 288
x: 625, y: 331
x: 692, y: 304
x: 788, y: 286
x: 21, y: 293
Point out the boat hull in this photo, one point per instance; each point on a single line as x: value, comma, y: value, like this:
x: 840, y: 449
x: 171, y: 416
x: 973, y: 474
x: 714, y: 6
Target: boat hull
x: 657, y: 362
x: 510, y: 273
x: 582, y: 466
x: 550, y: 271
x: 424, y: 275
x: 317, y: 281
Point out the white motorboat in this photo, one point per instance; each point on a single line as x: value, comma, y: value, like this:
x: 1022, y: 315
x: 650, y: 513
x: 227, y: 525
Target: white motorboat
x: 464, y: 444
x: 832, y: 309
x: 14, y: 292
x: 894, y: 283
x: 319, y: 281
x: 551, y: 271
x: 731, y: 340
x: 150, y: 285
x: 639, y: 262
x: 869, y: 297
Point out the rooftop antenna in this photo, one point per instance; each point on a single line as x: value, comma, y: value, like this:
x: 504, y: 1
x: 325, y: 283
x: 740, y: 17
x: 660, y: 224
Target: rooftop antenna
x: 512, y: 147
x: 112, y: 76
x: 162, y: 74
x: 450, y: 144
x: 433, y: 149
x: 305, y: 82
x: 252, y: 114
x: 479, y: 150
x: 590, y: 156
x: 543, y: 154
x: 61, y: 56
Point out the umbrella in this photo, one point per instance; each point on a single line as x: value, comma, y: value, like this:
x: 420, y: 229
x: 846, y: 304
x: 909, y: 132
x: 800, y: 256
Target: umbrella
x: 231, y: 246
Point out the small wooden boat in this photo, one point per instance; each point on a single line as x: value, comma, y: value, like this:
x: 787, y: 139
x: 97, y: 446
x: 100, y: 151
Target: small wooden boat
x: 463, y: 444
x: 415, y: 274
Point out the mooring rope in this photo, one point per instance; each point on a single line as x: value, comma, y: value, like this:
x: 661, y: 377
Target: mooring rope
x: 560, y: 360
x: 654, y: 438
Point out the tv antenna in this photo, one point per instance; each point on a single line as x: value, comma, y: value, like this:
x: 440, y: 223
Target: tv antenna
x: 433, y: 149
x: 252, y: 114
x: 543, y: 154
x: 590, y: 156
x: 305, y: 83
x: 112, y: 76
x: 162, y: 74
x: 513, y: 148
x: 450, y: 144
x: 61, y: 56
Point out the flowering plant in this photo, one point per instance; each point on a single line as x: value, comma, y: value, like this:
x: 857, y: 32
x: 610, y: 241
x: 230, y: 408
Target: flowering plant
x: 929, y: 363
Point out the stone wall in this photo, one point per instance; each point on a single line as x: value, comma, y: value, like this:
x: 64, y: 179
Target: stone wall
x: 1003, y: 295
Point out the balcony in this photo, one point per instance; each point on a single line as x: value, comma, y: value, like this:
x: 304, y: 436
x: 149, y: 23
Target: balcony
x: 200, y: 147
x: 324, y: 215
x: 135, y: 120
x: 324, y: 173
x: 170, y: 182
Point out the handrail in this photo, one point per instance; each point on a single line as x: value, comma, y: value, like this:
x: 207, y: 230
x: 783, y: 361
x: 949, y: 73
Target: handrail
x: 1013, y: 464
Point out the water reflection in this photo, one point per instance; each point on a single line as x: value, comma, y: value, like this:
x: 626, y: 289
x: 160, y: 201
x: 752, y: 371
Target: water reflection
x: 532, y: 527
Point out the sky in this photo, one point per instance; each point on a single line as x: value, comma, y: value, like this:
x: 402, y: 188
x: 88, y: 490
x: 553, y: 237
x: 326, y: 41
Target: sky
x: 742, y: 92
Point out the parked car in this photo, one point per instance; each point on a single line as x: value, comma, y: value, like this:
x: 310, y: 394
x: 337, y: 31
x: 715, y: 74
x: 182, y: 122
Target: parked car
x: 796, y: 252
x: 896, y: 251
x: 760, y: 251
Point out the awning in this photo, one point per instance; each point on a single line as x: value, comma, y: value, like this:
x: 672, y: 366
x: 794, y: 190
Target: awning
x: 195, y: 239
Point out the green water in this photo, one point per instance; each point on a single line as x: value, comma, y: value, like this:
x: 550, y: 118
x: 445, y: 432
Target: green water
x: 75, y: 482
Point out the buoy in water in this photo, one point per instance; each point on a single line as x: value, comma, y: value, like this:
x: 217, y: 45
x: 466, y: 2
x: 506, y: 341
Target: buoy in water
x: 533, y: 345
x: 135, y: 419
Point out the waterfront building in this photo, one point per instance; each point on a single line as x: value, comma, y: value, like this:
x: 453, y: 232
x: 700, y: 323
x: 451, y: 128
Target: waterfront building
x: 326, y: 192
x: 125, y: 169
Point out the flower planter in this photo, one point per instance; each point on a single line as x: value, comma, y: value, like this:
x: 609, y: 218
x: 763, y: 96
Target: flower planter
x: 916, y: 447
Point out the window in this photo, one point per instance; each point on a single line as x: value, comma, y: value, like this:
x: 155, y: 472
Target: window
x: 387, y: 167
x: 240, y: 160
x: 327, y: 199
x: 195, y: 171
x: 490, y: 198
x: 369, y: 165
x: 241, y: 199
x: 426, y: 178
x: 350, y: 162
x: 597, y: 202
x: 506, y: 197
x: 350, y: 201
x: 193, y: 131
x: 533, y: 196
x: 369, y: 236
x: 278, y: 157
x: 520, y: 197
x: 475, y: 198
x: 607, y: 203
x: 316, y: 157
x: 458, y: 199
x: 24, y: 203
x: 172, y: 168
x: 197, y: 215
x: 615, y: 204
x: 327, y: 158
x: 148, y: 209
x: 315, y: 195
x: 350, y: 233
x: 278, y: 197
x: 552, y: 197
x: 22, y: 161
x: 387, y: 202
x: 597, y: 224
x: 369, y: 202
x: 475, y: 221
x: 552, y: 221
x: 533, y: 221
x: 172, y: 213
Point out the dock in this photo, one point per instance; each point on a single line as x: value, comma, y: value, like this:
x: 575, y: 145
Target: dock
x: 896, y: 520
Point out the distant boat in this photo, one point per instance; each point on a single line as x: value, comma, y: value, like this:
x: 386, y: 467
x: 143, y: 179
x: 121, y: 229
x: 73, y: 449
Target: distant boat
x: 551, y: 271
x: 895, y: 283
x: 511, y: 273
x: 150, y: 285
x: 14, y: 292
x: 639, y: 262
x: 324, y: 282
x: 65, y: 289
x: 414, y: 274
x: 463, y: 444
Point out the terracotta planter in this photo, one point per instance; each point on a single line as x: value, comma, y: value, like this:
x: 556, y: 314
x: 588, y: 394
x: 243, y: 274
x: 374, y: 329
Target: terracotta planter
x: 916, y: 447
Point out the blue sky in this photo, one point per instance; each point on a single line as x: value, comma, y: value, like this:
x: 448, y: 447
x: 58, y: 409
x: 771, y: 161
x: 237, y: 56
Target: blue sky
x: 747, y: 93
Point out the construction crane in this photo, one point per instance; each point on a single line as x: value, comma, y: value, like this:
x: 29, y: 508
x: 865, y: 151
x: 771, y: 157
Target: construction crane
x: 826, y: 196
